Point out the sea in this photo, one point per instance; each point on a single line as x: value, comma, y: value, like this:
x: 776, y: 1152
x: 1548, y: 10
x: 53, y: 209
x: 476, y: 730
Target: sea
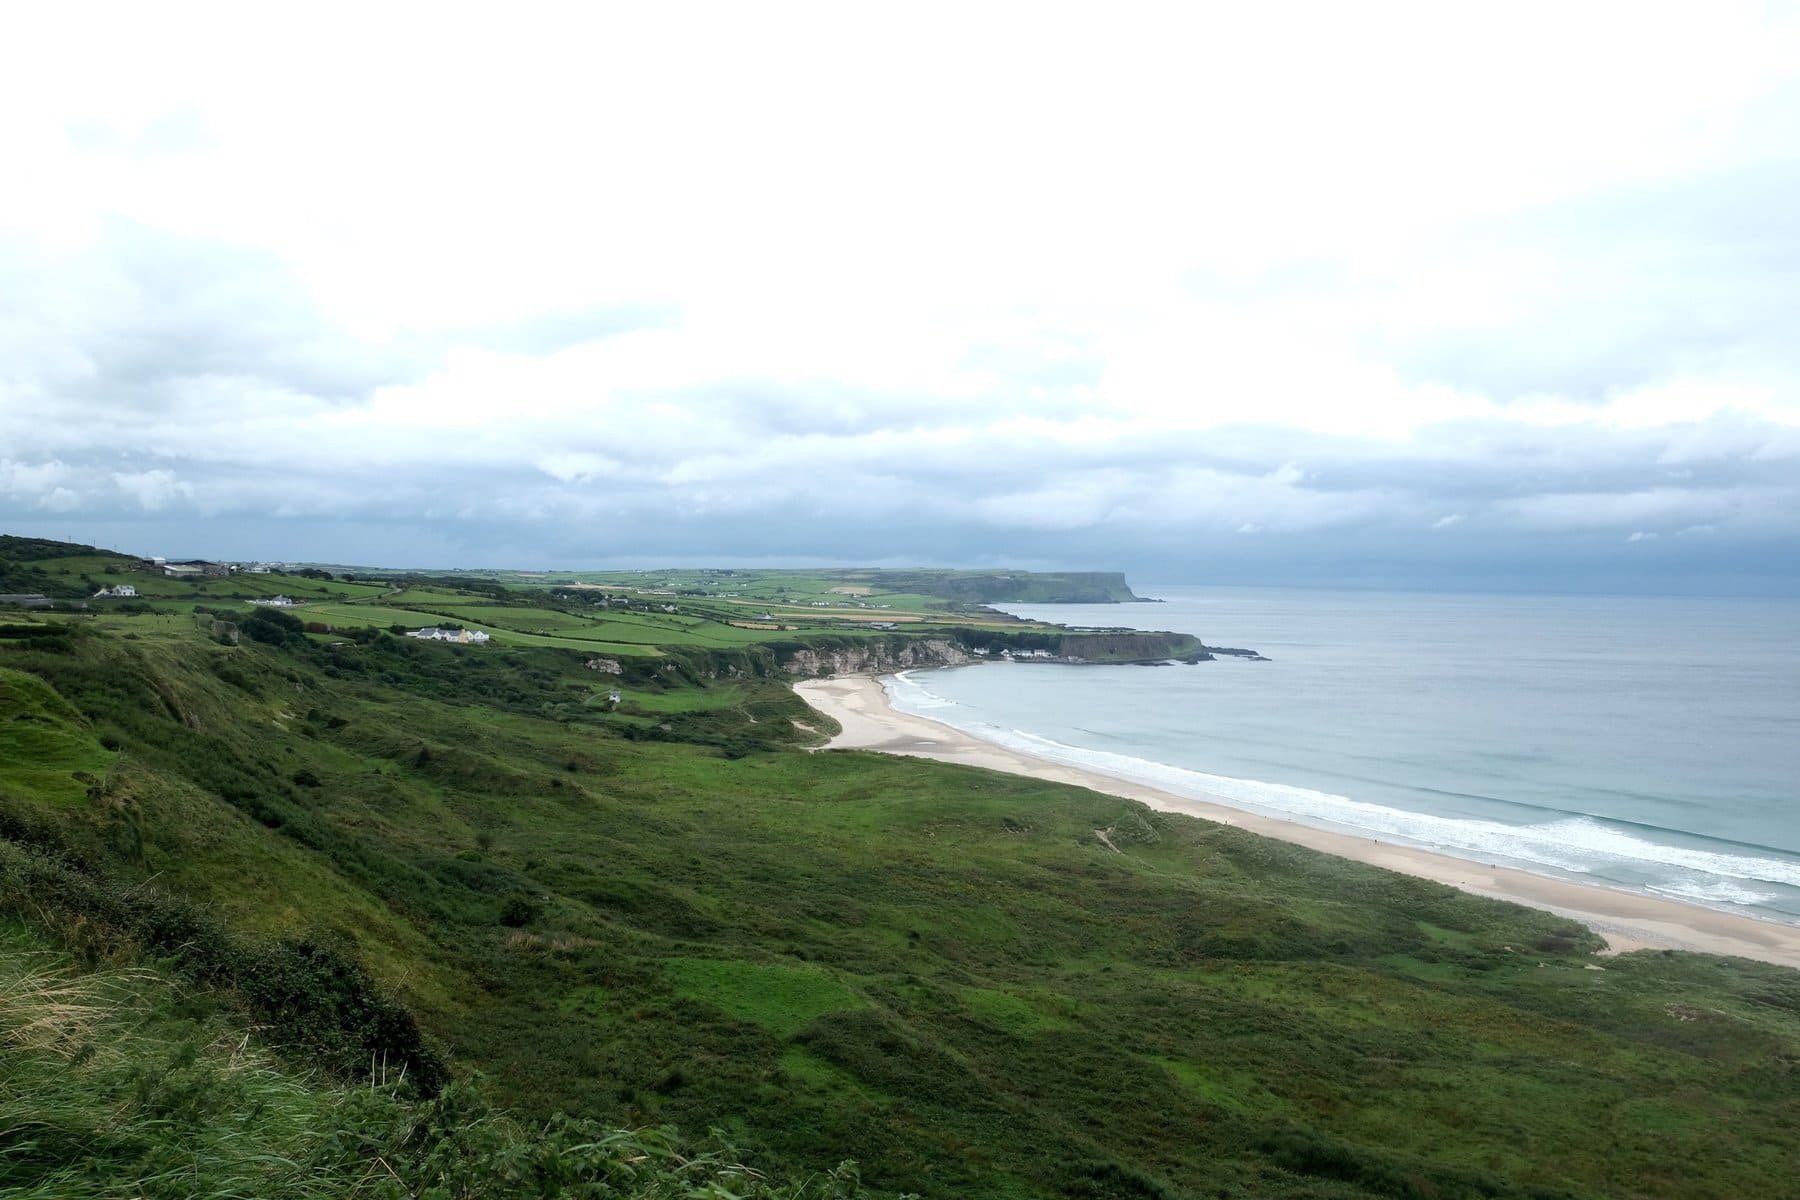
x: 1650, y: 744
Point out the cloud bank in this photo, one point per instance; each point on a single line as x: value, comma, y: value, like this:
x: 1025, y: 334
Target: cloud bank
x: 1403, y: 296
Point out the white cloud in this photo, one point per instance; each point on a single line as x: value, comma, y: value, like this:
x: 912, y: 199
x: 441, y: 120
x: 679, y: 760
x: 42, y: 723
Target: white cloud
x: 27, y: 480
x: 151, y: 490
x: 60, y: 500
x: 1174, y: 267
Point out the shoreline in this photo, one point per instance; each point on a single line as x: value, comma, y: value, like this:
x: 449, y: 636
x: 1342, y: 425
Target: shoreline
x: 1628, y: 921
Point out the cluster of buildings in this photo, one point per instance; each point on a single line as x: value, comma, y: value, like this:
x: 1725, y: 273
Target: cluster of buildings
x: 465, y: 637
x: 201, y: 568
x: 191, y: 568
x: 123, y: 591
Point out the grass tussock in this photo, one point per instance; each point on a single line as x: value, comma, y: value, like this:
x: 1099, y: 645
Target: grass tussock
x: 109, y: 1092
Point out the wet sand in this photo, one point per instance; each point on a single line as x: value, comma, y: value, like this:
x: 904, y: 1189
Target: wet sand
x: 1626, y: 920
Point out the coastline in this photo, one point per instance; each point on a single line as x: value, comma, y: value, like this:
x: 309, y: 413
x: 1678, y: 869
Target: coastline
x: 1626, y: 920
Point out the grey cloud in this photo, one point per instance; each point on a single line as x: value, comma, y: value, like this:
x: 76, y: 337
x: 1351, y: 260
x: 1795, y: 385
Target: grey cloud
x: 912, y: 491
x: 127, y: 377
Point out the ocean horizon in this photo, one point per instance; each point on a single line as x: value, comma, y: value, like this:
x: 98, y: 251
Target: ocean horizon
x: 1645, y: 743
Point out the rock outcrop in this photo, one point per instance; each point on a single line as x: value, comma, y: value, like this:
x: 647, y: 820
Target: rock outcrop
x: 1132, y: 647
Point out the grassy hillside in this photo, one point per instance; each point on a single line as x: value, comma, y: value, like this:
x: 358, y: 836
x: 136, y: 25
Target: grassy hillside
x: 669, y: 913
x: 121, y: 1083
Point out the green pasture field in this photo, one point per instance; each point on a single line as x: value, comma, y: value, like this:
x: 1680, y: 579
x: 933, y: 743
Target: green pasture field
x: 798, y: 587
x: 243, y: 584
x: 379, y: 616
x: 384, y: 616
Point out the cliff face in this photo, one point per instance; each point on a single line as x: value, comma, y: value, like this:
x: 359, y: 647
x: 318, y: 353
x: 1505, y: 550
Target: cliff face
x: 1133, y: 647
x: 876, y: 658
x: 902, y: 654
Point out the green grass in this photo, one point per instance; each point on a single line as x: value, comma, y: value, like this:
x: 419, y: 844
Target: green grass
x: 1013, y: 1013
x: 44, y: 750
x: 378, y: 616
x: 933, y: 968
x: 684, y: 700
x: 111, y: 1090
x: 119, y: 1084
x: 107, y: 571
x: 781, y: 999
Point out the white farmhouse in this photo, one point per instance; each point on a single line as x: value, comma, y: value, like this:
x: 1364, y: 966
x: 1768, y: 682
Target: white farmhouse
x: 123, y: 590
x: 463, y: 637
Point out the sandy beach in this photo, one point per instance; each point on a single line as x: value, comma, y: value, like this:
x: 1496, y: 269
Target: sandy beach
x: 1627, y: 921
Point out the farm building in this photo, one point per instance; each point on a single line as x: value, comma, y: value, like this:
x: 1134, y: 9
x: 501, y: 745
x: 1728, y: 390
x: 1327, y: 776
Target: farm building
x: 466, y: 637
x: 195, y: 568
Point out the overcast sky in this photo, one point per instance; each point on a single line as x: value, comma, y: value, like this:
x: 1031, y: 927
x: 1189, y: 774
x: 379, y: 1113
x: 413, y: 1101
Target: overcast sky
x: 1435, y: 294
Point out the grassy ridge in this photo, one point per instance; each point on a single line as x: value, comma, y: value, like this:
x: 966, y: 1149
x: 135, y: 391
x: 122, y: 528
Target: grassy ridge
x: 665, y: 914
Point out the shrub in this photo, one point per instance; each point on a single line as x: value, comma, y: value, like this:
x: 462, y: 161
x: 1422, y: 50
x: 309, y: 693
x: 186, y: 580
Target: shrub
x: 519, y: 909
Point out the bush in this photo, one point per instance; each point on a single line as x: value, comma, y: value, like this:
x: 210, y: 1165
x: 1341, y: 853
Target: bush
x: 519, y: 909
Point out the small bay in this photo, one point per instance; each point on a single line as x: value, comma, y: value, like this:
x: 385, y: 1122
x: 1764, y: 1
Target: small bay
x: 1644, y: 743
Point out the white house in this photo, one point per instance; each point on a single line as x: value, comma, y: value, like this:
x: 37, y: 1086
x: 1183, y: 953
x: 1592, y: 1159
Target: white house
x: 276, y: 602
x: 121, y: 590
x: 464, y: 637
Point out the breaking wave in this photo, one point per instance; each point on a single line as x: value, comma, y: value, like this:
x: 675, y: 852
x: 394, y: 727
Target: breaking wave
x: 1705, y: 871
